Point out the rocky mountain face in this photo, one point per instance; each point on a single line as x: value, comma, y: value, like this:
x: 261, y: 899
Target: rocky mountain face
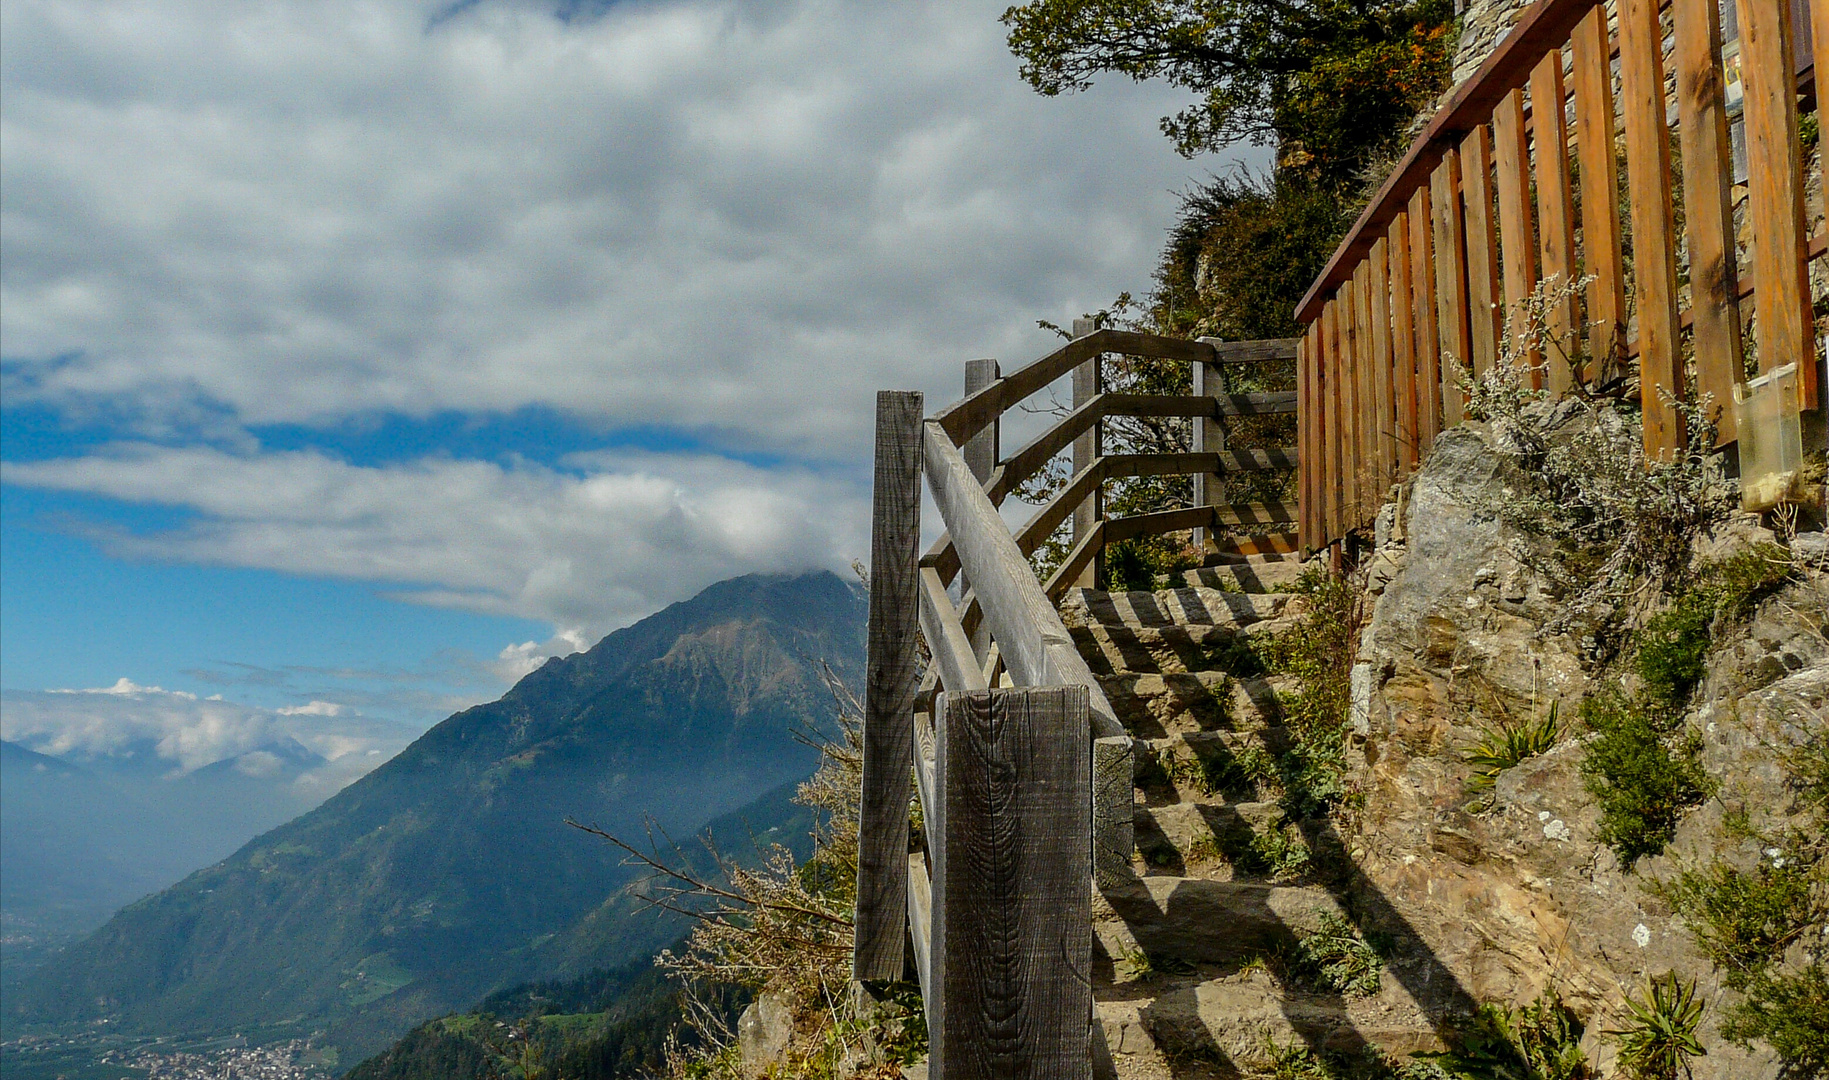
x: 1519, y: 892
x: 450, y: 871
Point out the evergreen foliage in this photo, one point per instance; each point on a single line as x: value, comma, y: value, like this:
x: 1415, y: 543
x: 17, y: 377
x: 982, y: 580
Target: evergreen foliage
x: 1332, y: 82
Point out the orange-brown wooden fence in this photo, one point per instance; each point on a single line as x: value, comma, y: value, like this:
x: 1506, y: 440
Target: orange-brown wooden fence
x: 1503, y: 191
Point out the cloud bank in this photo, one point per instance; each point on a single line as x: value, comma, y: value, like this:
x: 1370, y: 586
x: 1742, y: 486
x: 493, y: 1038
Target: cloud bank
x: 585, y: 550
x: 732, y: 215
x: 181, y: 733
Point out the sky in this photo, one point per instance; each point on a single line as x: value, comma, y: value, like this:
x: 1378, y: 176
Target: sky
x: 356, y: 356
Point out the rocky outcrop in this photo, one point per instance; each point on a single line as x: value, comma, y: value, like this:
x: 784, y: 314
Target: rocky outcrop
x: 1515, y: 894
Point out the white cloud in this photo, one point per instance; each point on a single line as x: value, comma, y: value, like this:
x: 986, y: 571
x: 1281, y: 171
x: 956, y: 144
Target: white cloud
x: 586, y: 550
x: 312, y: 708
x: 184, y: 734
x: 715, y: 214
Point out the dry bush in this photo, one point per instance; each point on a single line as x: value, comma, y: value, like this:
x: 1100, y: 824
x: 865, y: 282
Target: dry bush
x: 782, y: 926
x: 1619, y: 521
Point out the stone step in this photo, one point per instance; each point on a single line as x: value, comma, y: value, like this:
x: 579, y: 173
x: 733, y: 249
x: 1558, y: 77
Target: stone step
x: 1210, y: 840
x: 1236, y: 1023
x: 1254, y: 577
x: 1110, y: 649
x: 1170, y: 607
x: 1188, y: 920
x: 1158, y: 706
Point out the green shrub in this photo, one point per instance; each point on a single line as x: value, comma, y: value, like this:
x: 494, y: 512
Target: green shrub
x: 1644, y: 770
x: 1660, y: 1037
x: 1334, y: 957
x: 1541, y: 1041
x: 1790, y: 1012
x: 1319, y: 652
x: 1673, y: 650
x: 1743, y: 921
x: 1746, y: 577
x: 1502, y: 747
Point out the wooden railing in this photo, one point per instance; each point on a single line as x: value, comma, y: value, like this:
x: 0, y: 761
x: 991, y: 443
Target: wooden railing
x: 1500, y: 193
x: 1023, y: 772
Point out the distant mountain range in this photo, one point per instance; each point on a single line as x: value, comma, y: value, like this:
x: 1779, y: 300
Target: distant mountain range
x: 448, y: 872
x: 83, y: 838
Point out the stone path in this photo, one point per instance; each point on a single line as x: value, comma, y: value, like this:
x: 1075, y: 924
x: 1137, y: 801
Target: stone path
x: 1191, y: 956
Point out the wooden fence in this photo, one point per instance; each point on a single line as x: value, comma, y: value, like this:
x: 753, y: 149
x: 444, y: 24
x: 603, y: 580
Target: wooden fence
x: 1023, y: 773
x: 1503, y: 191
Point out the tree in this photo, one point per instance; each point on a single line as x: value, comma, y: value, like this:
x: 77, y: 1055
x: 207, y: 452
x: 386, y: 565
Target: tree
x: 1330, y: 82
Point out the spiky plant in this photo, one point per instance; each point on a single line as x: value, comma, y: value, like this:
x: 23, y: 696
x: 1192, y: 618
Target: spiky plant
x: 1660, y: 1037
x: 1502, y: 747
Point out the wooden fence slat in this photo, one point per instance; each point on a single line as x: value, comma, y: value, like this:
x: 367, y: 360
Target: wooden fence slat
x: 1012, y: 904
x: 1403, y: 345
x: 1307, y: 425
x: 1783, y: 327
x: 1304, y: 415
x: 1041, y: 525
x: 982, y: 452
x: 1260, y: 459
x: 1602, y: 256
x: 921, y: 921
x: 1708, y: 212
x: 1484, y: 315
x: 1330, y: 390
x: 1517, y: 247
x: 1365, y: 415
x: 1383, y: 378
x: 889, y: 689
x: 1428, y: 345
x: 1086, y: 386
x: 1654, y: 257
x: 1555, y: 214
x: 1449, y: 242
x: 1251, y: 352
x: 946, y: 641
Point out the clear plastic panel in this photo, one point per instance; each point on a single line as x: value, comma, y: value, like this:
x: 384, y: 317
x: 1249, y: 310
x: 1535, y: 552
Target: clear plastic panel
x: 1771, y: 438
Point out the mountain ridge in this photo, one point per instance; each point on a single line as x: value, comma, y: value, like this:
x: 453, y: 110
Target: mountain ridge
x: 447, y: 872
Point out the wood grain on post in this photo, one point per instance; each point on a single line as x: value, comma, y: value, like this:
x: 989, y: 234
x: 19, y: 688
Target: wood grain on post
x: 1403, y: 346
x: 1708, y: 211
x: 1517, y: 247
x: 1555, y: 216
x: 1484, y: 316
x: 1349, y: 410
x: 1330, y: 424
x: 1602, y: 256
x: 1784, y: 327
x: 1429, y: 396
x: 1307, y: 420
x: 1012, y: 898
x: 1654, y: 252
x: 1384, y: 389
x: 1448, y: 240
x: 889, y: 691
x: 1086, y: 386
x: 1365, y: 457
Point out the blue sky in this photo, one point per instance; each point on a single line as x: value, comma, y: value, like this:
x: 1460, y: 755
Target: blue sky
x: 366, y: 352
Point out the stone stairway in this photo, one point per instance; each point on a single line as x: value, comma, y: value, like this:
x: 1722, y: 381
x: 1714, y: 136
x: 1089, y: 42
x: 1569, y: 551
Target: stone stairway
x: 1194, y: 960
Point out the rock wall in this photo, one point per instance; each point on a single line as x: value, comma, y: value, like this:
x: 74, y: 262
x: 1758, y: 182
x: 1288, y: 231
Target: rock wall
x: 1520, y: 896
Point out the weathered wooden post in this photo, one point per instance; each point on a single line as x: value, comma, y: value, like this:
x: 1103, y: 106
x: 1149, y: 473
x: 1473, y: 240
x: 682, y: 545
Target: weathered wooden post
x: 1209, y: 437
x: 890, y: 679
x: 1012, y: 913
x: 1087, y: 383
x: 981, y: 454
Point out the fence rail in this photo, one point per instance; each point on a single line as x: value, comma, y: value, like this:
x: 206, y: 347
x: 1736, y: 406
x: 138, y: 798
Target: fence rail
x: 1500, y: 193
x: 1022, y: 771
